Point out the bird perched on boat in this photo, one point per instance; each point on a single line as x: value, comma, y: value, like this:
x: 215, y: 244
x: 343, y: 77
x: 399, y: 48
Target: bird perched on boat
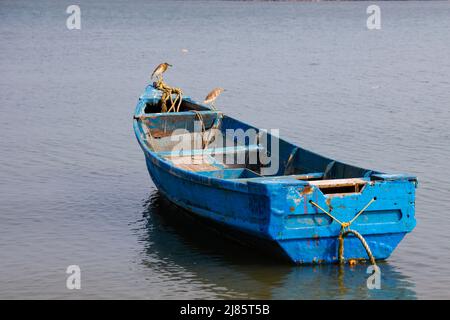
x: 160, y: 69
x: 212, y: 96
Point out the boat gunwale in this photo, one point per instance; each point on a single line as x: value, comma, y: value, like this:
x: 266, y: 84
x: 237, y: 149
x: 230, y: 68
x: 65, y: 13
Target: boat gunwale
x: 226, y: 184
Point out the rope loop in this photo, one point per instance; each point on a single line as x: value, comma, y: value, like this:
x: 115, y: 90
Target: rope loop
x: 344, y: 234
x: 345, y: 231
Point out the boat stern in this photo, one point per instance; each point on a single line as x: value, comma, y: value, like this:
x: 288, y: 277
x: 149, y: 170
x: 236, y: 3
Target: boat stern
x: 306, y: 217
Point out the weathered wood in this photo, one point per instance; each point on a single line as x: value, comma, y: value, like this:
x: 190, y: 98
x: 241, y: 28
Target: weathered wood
x: 337, y: 182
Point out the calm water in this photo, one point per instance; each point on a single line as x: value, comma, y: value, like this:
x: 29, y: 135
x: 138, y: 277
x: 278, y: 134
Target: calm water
x: 73, y: 184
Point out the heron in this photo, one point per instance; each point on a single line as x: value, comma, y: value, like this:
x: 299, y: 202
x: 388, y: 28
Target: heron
x: 212, y: 96
x: 160, y: 69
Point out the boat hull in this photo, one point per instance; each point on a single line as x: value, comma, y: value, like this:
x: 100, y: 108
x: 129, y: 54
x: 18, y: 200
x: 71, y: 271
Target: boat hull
x: 252, y: 218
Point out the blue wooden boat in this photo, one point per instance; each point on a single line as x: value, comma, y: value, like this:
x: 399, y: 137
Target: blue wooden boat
x: 298, y: 208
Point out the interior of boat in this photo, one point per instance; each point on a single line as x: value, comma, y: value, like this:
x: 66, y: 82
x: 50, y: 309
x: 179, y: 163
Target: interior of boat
x: 206, y: 142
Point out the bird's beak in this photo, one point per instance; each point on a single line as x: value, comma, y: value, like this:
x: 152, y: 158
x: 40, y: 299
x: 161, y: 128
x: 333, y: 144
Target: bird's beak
x: 169, y: 65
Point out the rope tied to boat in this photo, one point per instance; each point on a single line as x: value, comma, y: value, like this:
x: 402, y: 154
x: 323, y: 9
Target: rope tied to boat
x: 345, y: 231
x: 200, y: 118
x: 167, y: 93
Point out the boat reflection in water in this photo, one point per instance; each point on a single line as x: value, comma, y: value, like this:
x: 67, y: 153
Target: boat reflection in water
x: 182, y: 247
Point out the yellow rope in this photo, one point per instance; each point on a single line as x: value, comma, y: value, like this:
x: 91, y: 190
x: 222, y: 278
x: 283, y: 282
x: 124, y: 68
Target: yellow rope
x: 326, y: 212
x: 200, y: 118
x: 345, y: 231
x: 343, y: 234
x: 362, y: 210
x: 167, y: 95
